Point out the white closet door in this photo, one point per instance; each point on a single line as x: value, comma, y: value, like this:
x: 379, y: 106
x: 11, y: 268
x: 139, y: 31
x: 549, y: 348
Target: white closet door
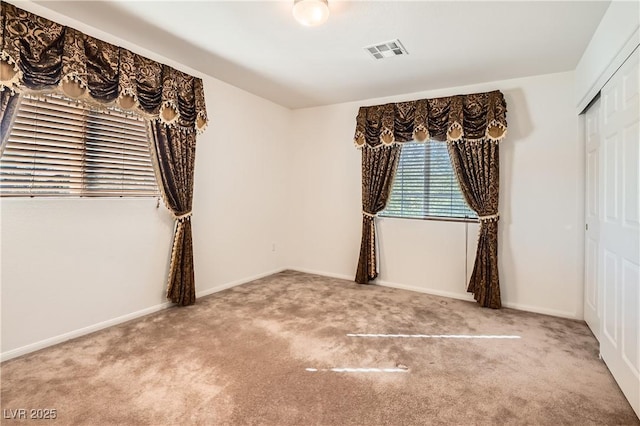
x: 592, y: 217
x: 619, y: 253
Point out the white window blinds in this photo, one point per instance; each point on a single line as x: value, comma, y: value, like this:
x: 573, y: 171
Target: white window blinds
x: 57, y: 147
x: 425, y: 185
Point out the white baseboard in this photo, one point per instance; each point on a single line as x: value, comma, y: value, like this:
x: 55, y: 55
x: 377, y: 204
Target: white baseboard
x: 450, y: 294
x: 235, y: 283
x: 383, y: 283
x: 323, y: 273
x: 32, y: 347
x: 544, y: 311
x: 469, y: 297
x: 434, y: 292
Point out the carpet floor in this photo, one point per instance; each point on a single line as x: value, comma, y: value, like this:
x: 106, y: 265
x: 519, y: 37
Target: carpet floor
x: 301, y: 349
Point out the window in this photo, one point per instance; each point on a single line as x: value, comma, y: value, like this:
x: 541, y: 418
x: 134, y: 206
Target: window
x: 58, y: 147
x: 425, y: 185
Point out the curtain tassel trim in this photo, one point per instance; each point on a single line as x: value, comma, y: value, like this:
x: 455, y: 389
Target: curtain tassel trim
x: 372, y: 215
x: 455, y: 132
x: 173, y: 258
x: 183, y: 217
x: 359, y: 140
x: 420, y: 133
x: 489, y: 218
x: 180, y: 219
x: 128, y: 99
x: 496, y: 131
x: 10, y: 81
x: 379, y: 146
x: 387, y: 137
x: 202, y: 122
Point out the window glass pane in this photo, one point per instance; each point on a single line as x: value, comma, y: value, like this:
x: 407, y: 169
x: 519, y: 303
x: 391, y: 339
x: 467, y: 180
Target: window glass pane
x: 59, y: 147
x: 425, y: 185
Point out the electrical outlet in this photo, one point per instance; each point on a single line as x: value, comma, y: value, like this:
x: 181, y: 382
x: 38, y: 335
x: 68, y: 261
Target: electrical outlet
x: 273, y: 247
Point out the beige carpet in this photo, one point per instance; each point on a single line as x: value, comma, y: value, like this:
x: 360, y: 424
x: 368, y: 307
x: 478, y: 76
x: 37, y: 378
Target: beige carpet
x: 278, y: 351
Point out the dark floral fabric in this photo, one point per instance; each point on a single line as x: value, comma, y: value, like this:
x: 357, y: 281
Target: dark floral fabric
x: 470, y: 117
x: 472, y: 125
x: 9, y: 103
x: 378, y: 170
x: 40, y: 55
x: 174, y: 153
x: 477, y: 168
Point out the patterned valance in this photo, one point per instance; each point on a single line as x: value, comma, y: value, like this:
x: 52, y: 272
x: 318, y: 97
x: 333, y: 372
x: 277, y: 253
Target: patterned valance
x: 39, y: 55
x: 479, y: 116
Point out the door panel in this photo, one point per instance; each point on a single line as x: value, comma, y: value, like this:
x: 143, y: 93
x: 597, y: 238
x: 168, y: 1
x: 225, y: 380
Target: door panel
x: 592, y: 217
x: 610, y: 299
x: 610, y: 178
x: 631, y: 197
x: 591, y: 289
x: 630, y: 303
x: 592, y: 183
x: 619, y: 229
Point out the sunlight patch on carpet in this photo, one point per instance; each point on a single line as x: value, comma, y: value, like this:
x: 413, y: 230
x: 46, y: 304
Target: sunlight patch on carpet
x: 435, y: 336
x: 359, y: 370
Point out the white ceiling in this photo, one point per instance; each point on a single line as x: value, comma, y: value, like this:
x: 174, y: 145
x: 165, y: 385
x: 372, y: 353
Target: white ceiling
x: 258, y: 46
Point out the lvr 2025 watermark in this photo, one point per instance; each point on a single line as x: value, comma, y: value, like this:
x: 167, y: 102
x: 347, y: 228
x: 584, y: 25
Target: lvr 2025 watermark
x: 29, y: 413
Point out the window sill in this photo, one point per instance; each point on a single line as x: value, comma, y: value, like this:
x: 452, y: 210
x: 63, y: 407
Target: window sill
x: 434, y: 218
x: 78, y: 197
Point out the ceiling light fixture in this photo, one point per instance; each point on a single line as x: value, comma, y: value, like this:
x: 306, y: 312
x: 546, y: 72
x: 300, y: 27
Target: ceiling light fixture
x: 311, y: 13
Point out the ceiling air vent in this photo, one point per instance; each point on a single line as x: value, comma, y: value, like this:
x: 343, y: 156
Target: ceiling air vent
x: 386, y: 49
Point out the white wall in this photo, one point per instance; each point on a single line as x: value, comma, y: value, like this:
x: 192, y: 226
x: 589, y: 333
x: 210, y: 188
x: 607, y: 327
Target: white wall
x: 72, y: 263
x: 615, y: 38
x: 541, y: 191
x: 268, y: 177
x: 69, y: 266
x: 240, y: 187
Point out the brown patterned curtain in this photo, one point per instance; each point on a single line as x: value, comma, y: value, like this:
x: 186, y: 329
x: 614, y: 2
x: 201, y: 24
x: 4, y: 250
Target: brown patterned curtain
x: 9, y: 103
x: 39, y: 55
x: 476, y: 165
x: 175, y: 153
x: 378, y: 169
x: 472, y: 125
